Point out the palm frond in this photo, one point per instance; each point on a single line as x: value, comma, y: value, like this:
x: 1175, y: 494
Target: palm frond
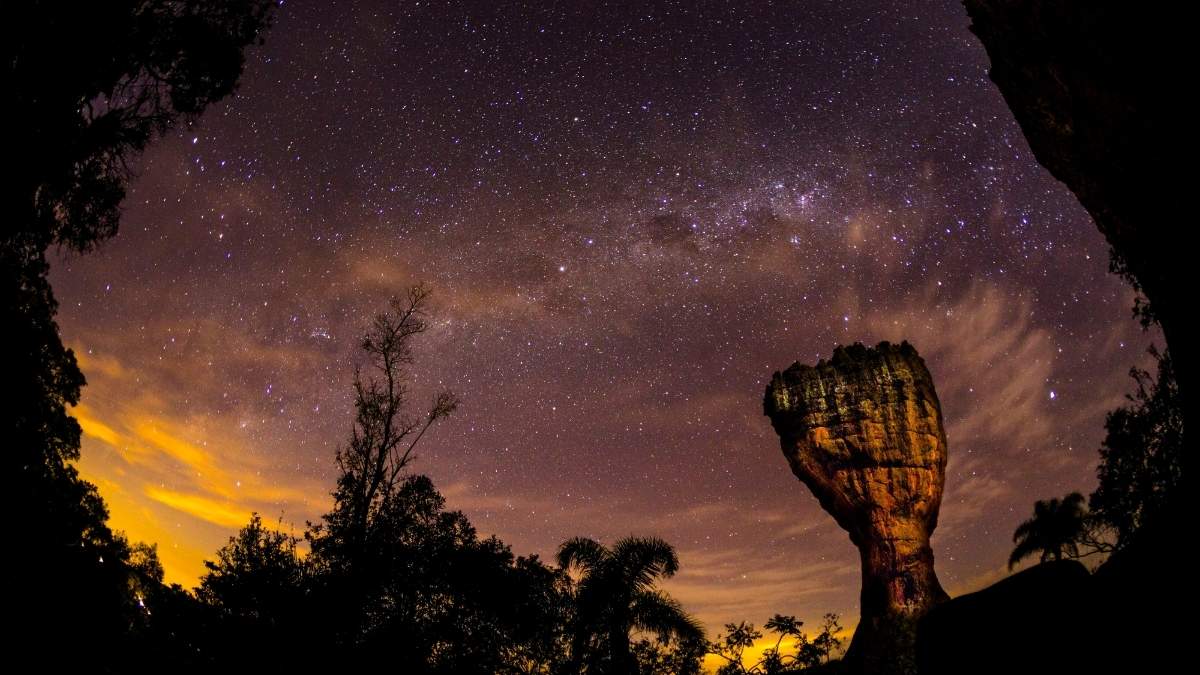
x: 655, y: 612
x: 1025, y: 529
x: 1025, y: 548
x: 583, y: 553
x: 642, y: 559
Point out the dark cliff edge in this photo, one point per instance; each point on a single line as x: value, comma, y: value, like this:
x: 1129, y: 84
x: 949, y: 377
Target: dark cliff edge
x: 1097, y: 89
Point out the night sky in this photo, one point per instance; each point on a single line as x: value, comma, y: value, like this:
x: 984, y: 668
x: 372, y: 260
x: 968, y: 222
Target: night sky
x: 631, y: 217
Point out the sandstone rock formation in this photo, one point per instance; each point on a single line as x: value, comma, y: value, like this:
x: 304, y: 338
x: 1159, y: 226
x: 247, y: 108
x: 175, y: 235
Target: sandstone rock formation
x: 864, y: 432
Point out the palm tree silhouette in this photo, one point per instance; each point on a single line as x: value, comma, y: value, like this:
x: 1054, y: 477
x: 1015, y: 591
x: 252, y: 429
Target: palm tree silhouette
x: 1055, y: 530
x: 616, y: 594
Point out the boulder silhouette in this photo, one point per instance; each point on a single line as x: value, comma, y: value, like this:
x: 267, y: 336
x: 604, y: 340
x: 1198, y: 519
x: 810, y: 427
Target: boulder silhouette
x: 1033, y: 621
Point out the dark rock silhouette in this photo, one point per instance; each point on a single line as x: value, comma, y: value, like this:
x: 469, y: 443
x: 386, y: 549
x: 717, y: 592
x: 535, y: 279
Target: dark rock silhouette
x: 1094, y: 86
x: 1055, y: 617
x: 864, y: 432
x: 1016, y: 625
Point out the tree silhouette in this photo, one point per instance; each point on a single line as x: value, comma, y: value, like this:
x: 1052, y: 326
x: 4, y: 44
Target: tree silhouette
x: 806, y: 653
x: 1054, y: 530
x: 256, y: 589
x: 1141, y: 457
x: 257, y: 569
x: 668, y: 656
x: 92, y: 87
x: 395, y: 577
x: 425, y: 594
x: 88, y: 88
x: 615, y: 595
x: 810, y: 653
x: 732, y: 646
x: 384, y: 434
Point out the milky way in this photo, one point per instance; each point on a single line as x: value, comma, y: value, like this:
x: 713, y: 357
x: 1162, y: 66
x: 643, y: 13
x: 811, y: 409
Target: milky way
x: 631, y: 217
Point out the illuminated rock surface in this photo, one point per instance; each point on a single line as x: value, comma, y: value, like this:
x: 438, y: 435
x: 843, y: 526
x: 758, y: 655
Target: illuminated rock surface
x: 864, y: 432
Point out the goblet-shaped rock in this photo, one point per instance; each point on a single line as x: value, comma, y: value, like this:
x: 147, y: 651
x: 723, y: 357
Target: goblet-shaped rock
x: 864, y: 432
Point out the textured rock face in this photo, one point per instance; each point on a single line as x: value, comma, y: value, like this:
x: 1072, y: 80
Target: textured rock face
x: 864, y: 432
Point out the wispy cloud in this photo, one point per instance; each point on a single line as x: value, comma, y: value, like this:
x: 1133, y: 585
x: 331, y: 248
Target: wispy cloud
x: 172, y: 474
x: 223, y: 513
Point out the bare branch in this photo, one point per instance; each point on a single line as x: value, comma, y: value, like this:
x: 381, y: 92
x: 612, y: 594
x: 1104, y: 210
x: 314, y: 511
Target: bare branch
x: 385, y: 435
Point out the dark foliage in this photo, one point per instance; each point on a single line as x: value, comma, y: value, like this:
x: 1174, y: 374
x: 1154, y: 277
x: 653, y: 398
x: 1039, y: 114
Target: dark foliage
x: 89, y: 86
x: 254, y: 594
x: 668, y: 656
x: 393, y: 576
x: 427, y: 594
x: 1140, y: 474
x: 805, y: 654
x: 1141, y: 458
x: 382, y: 440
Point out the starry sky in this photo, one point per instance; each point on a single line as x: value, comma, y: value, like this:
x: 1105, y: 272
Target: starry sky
x: 631, y: 215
